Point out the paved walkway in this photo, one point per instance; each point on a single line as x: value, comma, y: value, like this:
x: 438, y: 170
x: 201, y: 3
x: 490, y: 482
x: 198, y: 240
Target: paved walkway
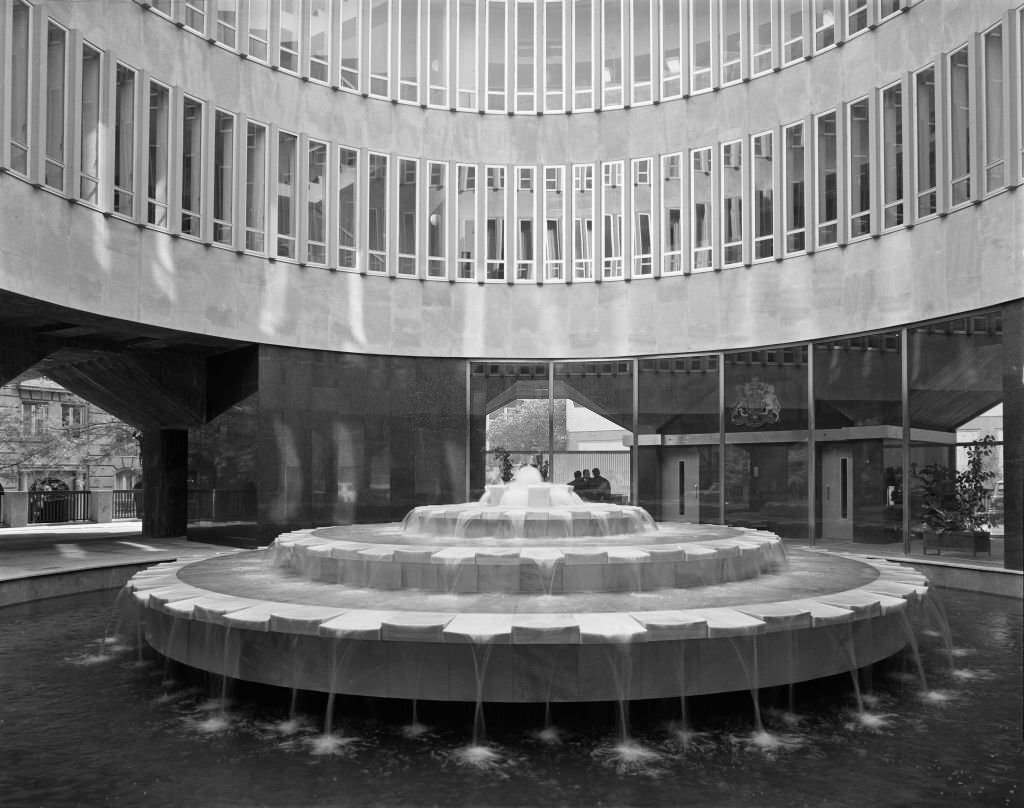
x: 50, y: 549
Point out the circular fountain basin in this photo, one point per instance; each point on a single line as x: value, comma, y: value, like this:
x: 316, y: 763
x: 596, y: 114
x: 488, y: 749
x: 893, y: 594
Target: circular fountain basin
x: 367, y: 610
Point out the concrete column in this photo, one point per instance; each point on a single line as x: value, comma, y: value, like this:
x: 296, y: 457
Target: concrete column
x: 165, y: 478
x: 101, y: 506
x: 1013, y: 433
x: 15, y: 508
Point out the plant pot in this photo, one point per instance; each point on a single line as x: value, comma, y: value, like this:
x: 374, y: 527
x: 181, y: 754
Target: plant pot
x: 964, y: 541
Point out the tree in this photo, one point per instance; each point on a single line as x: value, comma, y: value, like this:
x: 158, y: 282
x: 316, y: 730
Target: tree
x: 57, y: 447
x: 523, y: 426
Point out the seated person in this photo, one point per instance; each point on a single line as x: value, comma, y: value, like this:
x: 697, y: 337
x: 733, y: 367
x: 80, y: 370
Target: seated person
x: 600, y: 487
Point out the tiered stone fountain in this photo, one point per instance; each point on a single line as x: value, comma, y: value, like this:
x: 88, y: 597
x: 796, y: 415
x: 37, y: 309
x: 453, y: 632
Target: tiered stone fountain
x: 529, y: 595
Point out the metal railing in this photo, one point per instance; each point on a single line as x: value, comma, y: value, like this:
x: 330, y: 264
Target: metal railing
x: 127, y: 503
x: 58, y: 506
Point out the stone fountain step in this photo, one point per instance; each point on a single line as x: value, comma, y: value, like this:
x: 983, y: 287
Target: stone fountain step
x: 553, y: 569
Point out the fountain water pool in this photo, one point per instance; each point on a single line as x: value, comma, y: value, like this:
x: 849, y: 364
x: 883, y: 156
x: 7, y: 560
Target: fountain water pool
x: 530, y: 595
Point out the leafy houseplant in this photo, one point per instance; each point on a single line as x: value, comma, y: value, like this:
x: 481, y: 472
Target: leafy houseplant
x: 953, y: 503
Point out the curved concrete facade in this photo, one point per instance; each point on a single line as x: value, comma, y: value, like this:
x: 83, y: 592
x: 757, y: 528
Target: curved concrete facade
x: 970, y: 259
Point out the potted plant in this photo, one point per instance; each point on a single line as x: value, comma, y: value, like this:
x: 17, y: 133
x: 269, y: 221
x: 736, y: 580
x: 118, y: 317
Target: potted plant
x: 954, y: 503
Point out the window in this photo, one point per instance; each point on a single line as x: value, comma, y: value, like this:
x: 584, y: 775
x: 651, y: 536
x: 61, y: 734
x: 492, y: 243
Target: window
x: 348, y: 223
x: 227, y: 22
x: 191, y: 166
x: 583, y: 178
x: 995, y: 150
x: 408, y: 53
x: 466, y: 211
x: 856, y: 16
x: 255, y: 186
x: 495, y: 62
x: 643, y: 258
x: 380, y: 48
x: 924, y: 123
x: 56, y: 67
x: 732, y: 203
x: 223, y: 176
x: 19, y: 83
x: 860, y: 169
x: 319, y: 40
x: 288, y: 28
x: 33, y: 418
x: 554, y: 216
x: 124, y: 141
x: 795, y: 188
x: 642, y: 51
x: 959, y: 127
x: 827, y: 199
x: 671, y: 49
x: 525, y: 215
x: 407, y: 174
x: 700, y: 46
x: 377, y: 199
x: 437, y: 52
x: 762, y: 177
x: 611, y: 52
x: 159, y: 154
x: 886, y: 8
x: 195, y: 15
x: 259, y: 29
x: 612, y: 205
x: 437, y: 220
x: 730, y: 24
x: 466, y: 73
x: 583, y: 56
x: 761, y: 37
x: 671, y: 206
x: 700, y: 208
x: 554, y: 57
x: 316, y: 203
x: 824, y: 24
x: 583, y: 222
x: 525, y: 56
x: 495, y: 215
x: 89, y: 132
x: 892, y: 155
x: 349, y: 46
x: 793, y: 31
x: 287, y: 186
x: 73, y: 416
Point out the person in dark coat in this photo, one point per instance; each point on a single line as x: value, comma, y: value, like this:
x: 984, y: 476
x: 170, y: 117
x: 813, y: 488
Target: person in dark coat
x: 600, y: 488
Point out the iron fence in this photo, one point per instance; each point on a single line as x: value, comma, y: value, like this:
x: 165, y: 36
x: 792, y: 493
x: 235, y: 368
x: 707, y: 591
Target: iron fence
x: 58, y: 506
x: 127, y: 503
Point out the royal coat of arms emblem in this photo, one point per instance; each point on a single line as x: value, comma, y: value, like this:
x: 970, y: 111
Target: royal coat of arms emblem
x: 756, y: 404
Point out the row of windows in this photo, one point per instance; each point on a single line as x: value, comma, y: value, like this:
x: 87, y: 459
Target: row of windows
x: 96, y: 130
x: 529, y: 56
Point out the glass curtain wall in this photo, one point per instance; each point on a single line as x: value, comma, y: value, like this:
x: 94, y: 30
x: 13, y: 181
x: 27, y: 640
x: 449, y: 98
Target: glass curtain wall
x: 858, y: 421
x: 679, y: 451
x: 765, y: 412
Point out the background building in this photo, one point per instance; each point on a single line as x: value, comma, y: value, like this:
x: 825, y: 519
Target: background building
x: 778, y: 244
